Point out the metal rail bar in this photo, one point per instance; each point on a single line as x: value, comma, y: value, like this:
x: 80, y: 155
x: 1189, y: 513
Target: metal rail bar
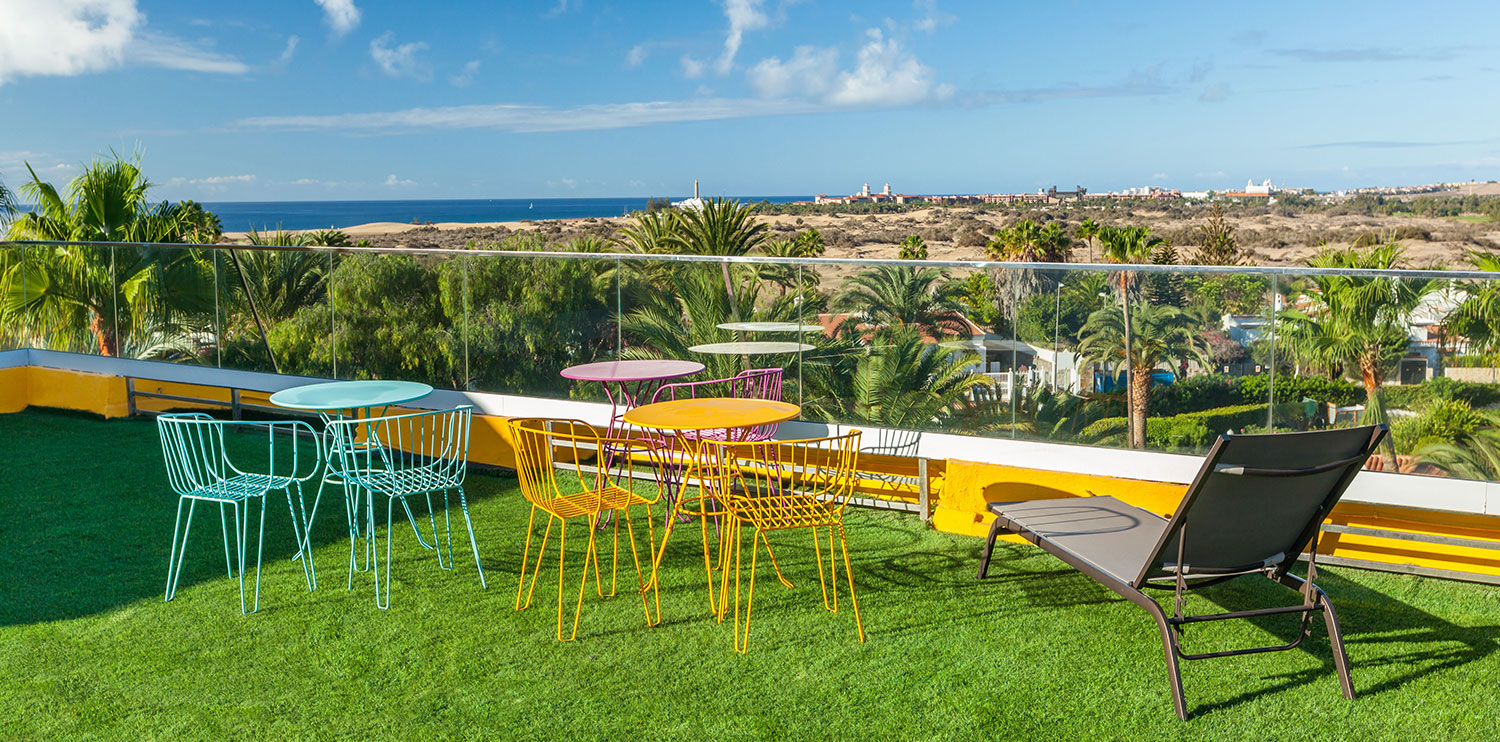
x: 1426, y: 538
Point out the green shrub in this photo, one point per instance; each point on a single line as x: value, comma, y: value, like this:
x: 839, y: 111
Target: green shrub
x: 1420, y: 396
x: 1444, y: 421
x: 1188, y: 431
x: 1292, y: 388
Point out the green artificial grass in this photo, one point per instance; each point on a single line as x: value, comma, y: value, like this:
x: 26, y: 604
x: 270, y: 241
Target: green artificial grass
x: 89, y: 650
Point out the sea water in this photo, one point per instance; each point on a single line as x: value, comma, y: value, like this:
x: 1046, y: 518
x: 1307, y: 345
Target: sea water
x: 239, y: 216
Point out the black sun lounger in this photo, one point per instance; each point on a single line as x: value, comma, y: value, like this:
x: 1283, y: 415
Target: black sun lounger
x: 1256, y: 504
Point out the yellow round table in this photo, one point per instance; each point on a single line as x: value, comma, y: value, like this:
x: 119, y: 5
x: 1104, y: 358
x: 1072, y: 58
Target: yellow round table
x: 701, y: 415
x: 711, y: 413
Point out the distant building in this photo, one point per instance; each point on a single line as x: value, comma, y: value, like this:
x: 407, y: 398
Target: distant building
x: 866, y: 196
x: 1264, y: 190
x: 691, y: 203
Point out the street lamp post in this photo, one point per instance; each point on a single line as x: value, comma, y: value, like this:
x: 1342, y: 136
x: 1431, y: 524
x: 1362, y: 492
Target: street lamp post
x: 1056, y: 331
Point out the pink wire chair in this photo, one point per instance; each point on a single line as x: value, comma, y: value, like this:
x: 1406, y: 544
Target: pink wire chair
x: 757, y: 383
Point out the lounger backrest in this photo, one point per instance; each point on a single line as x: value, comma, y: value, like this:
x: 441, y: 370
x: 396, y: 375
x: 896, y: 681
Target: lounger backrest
x: 1259, y: 499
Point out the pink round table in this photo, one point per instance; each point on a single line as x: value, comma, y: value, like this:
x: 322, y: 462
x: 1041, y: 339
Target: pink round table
x: 628, y: 382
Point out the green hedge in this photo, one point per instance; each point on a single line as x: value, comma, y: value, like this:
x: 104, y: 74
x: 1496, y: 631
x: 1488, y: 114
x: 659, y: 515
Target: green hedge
x: 1188, y: 431
x: 1421, y: 396
x: 1208, y: 392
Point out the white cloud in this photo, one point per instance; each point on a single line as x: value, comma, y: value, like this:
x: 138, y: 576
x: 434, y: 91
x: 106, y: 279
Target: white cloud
x: 305, y: 181
x: 465, y: 77
x: 692, y: 69
x: 222, y: 179
x: 64, y: 37
x: 884, y: 74
x: 560, y: 8
x: 340, y: 15
x: 287, y: 53
x: 160, y: 50
x: 743, y: 15
x: 393, y: 181
x: 636, y: 55
x: 931, y: 16
x: 74, y: 37
x: 1160, y: 176
x: 810, y: 72
x: 400, y: 61
x: 522, y: 119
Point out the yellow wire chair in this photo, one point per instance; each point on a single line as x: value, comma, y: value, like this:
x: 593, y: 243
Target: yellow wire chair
x: 779, y: 486
x: 596, y: 479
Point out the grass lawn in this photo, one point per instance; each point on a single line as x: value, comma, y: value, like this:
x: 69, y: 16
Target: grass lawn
x: 89, y: 649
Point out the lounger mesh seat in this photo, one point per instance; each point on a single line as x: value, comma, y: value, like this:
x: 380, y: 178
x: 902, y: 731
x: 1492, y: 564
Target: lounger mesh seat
x: 1256, y: 504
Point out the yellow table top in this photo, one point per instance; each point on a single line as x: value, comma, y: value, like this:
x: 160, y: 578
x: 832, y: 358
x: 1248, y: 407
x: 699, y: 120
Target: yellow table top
x: 708, y: 413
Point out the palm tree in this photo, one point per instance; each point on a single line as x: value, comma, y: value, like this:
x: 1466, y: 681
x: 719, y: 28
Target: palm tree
x: 1129, y: 245
x: 721, y: 227
x: 1163, y: 334
x: 1087, y: 230
x: 1474, y: 455
x: 809, y: 244
x: 1358, y: 323
x: 1478, y: 317
x: 898, y: 381
x: 1026, y: 241
x: 107, y: 295
x: 923, y: 299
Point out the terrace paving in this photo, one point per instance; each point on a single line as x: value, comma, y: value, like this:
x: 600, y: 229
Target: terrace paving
x: 90, y: 650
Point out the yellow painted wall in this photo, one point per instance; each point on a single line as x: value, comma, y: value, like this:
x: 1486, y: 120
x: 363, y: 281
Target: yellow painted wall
x: 67, y: 390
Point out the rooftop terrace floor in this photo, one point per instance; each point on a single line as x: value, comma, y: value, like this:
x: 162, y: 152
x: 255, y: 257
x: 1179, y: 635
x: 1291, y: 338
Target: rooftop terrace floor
x: 1038, y: 651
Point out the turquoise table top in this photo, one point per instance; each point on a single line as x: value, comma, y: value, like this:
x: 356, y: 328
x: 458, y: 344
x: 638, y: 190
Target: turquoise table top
x: 348, y: 395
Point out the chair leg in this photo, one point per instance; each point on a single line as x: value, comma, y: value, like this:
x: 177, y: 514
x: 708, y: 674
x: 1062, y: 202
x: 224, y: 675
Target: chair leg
x: 473, y: 544
x: 448, y: 533
x: 1336, y: 639
x: 562, y: 560
x: 833, y: 570
x: 588, y: 555
x: 432, y: 523
x: 525, y: 557
x: 818, y: 556
x: 390, y: 536
x: 173, y: 560
x: 849, y: 574
x: 224, y: 527
x: 239, y: 547
x: 260, y: 542
x: 537, y: 569
x: 989, y: 548
x: 302, y: 548
x: 742, y: 641
x: 1169, y: 647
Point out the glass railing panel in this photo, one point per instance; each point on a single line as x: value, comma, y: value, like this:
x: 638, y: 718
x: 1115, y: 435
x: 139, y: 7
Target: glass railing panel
x: 274, y: 307
x: 398, y: 315
x: 14, y: 316
x: 532, y: 317
x: 1060, y: 388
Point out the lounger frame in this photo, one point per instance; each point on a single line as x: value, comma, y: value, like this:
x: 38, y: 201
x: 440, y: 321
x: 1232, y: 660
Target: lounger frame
x: 1314, y: 600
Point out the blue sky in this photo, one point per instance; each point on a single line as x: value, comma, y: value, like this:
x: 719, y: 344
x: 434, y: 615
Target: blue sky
x: 354, y: 99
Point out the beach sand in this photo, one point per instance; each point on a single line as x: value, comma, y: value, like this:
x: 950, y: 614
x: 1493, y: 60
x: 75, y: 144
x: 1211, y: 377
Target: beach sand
x: 960, y: 233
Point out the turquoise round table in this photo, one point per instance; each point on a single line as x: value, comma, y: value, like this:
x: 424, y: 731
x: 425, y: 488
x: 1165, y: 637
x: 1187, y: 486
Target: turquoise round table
x: 330, y: 400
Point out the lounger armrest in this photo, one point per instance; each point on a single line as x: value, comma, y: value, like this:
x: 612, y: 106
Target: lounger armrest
x: 1251, y: 471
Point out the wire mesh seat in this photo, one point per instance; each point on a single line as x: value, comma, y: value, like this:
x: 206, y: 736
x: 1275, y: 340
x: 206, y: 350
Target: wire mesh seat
x: 400, y: 457
x: 784, y: 485
x: 199, y: 469
x: 583, y: 491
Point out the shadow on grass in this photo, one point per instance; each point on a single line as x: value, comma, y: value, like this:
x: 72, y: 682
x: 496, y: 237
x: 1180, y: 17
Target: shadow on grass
x: 87, y: 516
x: 1369, y: 620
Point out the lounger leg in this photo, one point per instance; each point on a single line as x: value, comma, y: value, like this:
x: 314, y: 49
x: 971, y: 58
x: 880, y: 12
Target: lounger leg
x: 1336, y: 638
x: 1169, y: 646
x: 989, y: 547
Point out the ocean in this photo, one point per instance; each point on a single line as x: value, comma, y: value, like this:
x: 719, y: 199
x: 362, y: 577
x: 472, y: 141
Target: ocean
x: 239, y: 216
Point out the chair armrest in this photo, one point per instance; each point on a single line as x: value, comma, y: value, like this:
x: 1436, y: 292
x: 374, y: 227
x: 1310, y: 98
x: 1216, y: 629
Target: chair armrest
x: 289, y: 456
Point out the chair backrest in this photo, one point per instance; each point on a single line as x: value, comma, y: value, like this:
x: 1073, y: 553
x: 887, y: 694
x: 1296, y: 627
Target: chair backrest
x: 767, y: 471
x: 435, y: 442
x: 757, y: 383
x: 192, y: 444
x: 543, y: 446
x: 1259, y: 500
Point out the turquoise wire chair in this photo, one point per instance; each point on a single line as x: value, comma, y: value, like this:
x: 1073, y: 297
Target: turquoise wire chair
x: 399, y: 457
x: 199, y: 470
